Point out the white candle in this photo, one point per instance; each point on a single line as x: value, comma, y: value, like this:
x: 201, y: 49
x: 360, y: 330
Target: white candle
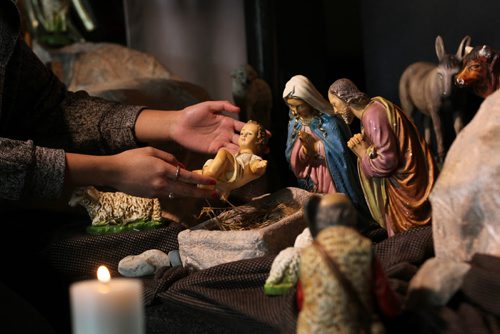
x: 107, y: 306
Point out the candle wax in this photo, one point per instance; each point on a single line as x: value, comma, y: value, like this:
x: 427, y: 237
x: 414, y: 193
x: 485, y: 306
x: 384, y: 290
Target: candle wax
x: 114, y: 307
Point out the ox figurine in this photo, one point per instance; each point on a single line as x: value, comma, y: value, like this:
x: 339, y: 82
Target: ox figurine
x: 480, y: 71
x: 427, y: 87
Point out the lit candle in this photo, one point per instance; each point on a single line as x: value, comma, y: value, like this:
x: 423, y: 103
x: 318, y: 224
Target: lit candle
x: 107, y: 306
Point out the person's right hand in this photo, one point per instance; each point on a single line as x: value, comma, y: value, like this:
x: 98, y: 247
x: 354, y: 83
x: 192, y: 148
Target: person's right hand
x: 150, y: 172
x: 203, y: 128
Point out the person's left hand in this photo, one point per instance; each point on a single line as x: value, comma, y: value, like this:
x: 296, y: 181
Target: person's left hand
x: 202, y: 127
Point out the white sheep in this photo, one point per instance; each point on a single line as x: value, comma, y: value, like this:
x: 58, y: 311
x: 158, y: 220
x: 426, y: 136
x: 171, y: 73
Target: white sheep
x: 286, y: 266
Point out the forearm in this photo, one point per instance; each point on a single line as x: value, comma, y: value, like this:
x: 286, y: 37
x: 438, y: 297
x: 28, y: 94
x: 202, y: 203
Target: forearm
x: 384, y: 157
x: 83, y: 170
x: 30, y: 171
x: 155, y: 126
x: 43, y: 110
x: 97, y: 126
x: 381, y: 165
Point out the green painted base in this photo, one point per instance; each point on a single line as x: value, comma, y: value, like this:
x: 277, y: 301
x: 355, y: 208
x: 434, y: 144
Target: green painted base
x: 140, y: 225
x: 277, y: 289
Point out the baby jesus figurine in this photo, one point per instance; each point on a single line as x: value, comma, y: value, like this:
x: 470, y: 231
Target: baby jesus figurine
x: 233, y: 171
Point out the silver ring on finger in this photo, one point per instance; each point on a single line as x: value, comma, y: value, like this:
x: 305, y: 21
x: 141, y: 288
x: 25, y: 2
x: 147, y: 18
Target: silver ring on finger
x: 177, y: 172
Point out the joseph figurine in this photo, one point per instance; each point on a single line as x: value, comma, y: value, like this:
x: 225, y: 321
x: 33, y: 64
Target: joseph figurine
x: 396, y: 168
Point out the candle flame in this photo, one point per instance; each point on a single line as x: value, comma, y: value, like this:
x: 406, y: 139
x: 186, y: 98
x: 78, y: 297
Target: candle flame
x: 103, y: 274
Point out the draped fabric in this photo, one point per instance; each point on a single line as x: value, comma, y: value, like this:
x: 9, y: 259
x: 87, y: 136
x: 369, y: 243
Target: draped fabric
x: 334, y: 135
x: 228, y: 298
x: 402, y: 159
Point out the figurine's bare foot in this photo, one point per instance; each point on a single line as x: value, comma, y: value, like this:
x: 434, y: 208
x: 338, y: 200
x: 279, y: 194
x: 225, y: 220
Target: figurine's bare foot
x: 206, y: 186
x: 208, y: 172
x: 203, y: 186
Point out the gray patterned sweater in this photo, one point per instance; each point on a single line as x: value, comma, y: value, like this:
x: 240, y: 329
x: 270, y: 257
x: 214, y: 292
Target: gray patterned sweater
x: 40, y: 120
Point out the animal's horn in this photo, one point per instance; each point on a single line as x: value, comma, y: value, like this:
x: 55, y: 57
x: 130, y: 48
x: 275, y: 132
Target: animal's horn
x: 493, y: 64
x: 468, y: 49
x: 485, y: 52
x: 461, y: 51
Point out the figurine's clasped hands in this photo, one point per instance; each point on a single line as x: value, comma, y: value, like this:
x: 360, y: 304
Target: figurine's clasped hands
x: 358, y: 145
x: 308, y: 143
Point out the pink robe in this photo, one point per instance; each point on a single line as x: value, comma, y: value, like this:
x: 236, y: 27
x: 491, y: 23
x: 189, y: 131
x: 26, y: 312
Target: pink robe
x: 316, y: 168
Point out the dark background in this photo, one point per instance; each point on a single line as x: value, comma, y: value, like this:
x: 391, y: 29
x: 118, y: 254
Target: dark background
x: 369, y: 42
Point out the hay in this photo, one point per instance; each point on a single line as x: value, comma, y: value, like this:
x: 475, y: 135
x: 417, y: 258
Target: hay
x: 247, y: 217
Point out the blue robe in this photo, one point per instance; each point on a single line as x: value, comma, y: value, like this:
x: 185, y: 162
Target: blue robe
x: 340, y: 161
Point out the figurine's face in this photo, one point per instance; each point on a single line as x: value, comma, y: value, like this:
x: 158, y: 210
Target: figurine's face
x: 341, y: 108
x: 248, y: 136
x: 300, y: 108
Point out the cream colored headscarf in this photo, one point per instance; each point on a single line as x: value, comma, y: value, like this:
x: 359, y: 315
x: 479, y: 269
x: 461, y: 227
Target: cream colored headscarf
x: 300, y: 87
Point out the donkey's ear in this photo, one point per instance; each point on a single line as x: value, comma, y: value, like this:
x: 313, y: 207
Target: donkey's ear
x: 462, y: 48
x: 440, y: 52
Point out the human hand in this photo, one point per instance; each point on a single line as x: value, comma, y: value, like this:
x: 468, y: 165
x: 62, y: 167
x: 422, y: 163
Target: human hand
x: 358, y: 145
x: 149, y: 172
x: 202, y: 127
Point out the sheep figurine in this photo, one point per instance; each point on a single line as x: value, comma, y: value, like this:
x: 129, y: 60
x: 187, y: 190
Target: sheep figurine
x: 284, y: 272
x: 116, y: 210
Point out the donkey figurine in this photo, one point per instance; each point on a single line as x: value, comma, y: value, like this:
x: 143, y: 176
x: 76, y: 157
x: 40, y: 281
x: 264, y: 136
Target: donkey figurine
x: 427, y: 87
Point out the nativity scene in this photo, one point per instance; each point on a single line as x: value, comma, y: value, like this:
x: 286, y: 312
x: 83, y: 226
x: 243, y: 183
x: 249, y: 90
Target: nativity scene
x: 303, y: 193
